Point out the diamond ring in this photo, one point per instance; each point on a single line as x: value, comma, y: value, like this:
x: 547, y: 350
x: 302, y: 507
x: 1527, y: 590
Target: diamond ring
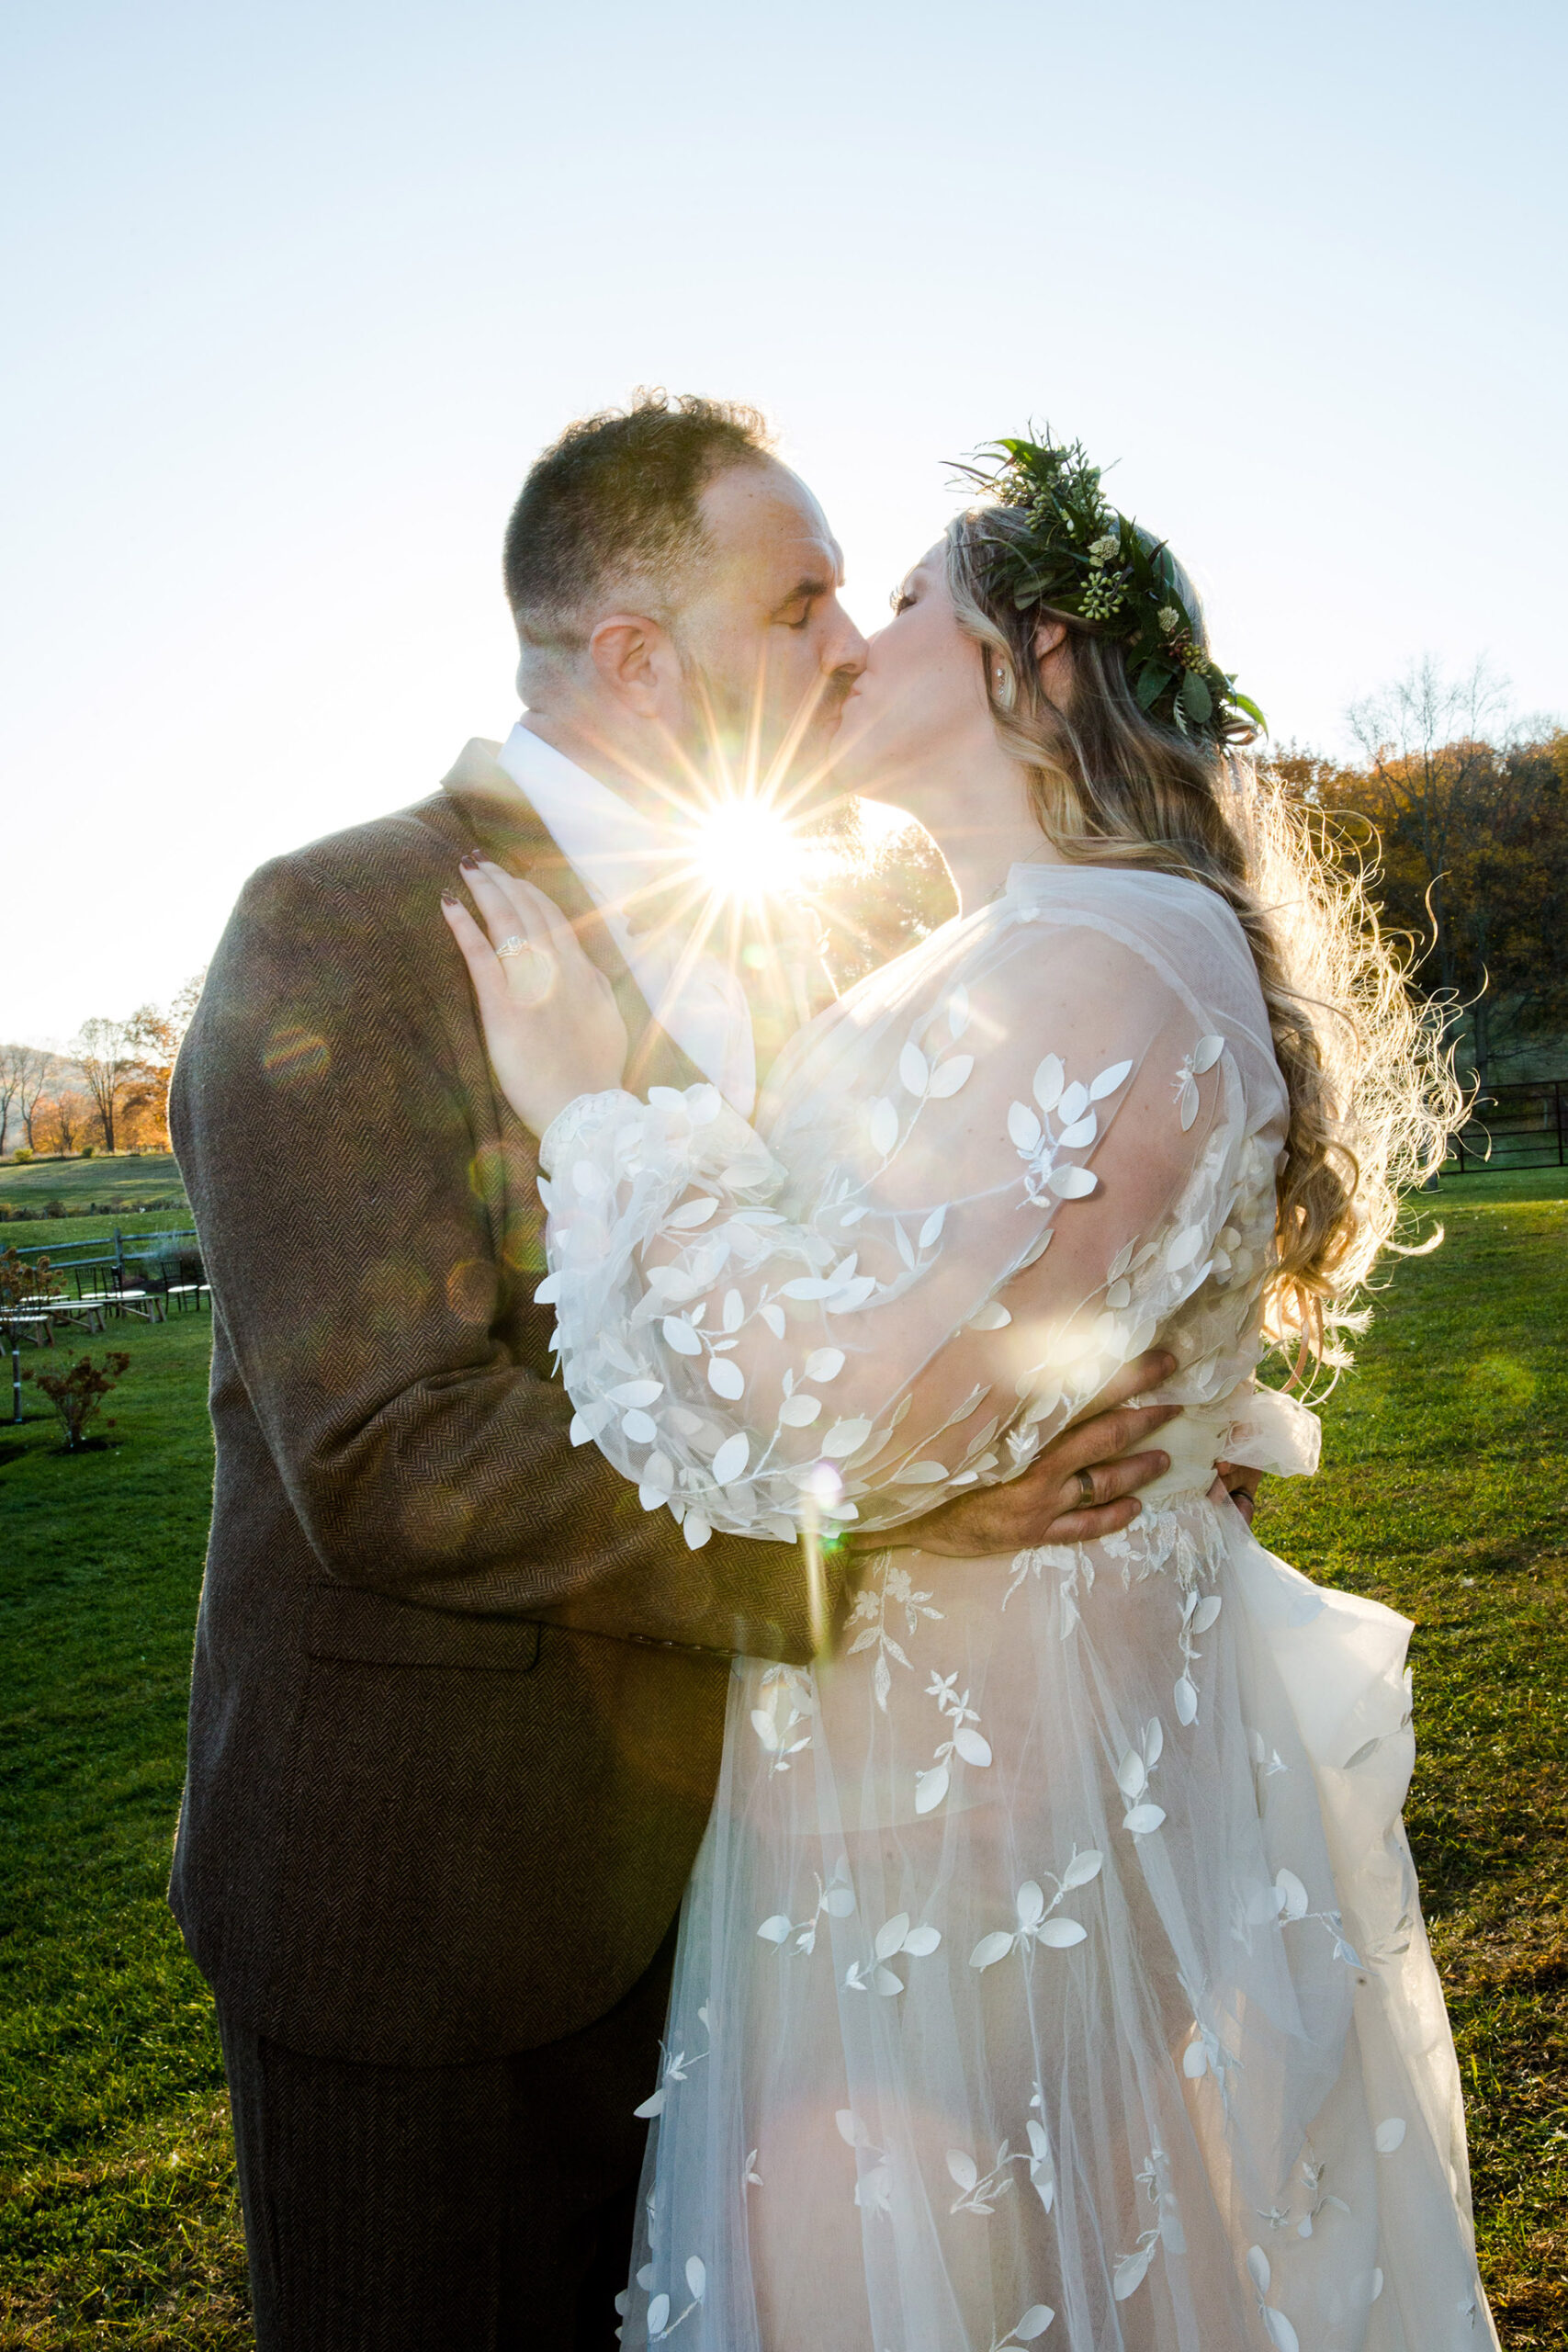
x: 512, y: 944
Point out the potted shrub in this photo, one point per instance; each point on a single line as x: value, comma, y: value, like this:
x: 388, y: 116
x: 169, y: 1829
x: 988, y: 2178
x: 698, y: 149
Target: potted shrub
x: 21, y: 1285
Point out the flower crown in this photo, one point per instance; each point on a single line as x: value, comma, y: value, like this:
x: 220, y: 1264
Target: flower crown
x: 1080, y: 557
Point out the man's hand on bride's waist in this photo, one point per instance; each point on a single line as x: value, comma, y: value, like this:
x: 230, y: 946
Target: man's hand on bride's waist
x: 551, y: 1019
x: 1082, y: 1484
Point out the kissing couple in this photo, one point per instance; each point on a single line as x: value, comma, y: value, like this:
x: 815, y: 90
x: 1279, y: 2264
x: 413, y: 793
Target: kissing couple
x: 750, y: 1785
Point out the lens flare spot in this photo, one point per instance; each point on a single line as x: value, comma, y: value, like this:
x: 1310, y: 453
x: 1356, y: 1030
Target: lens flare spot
x: 744, y: 849
x: 294, y: 1053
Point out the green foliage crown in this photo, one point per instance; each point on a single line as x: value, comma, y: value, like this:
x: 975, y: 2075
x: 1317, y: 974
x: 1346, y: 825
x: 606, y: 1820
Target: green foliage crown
x: 1077, y: 555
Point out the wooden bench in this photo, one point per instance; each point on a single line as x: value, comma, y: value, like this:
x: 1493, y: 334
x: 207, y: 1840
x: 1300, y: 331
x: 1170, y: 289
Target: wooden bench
x: 35, y: 1323
x: 147, y: 1303
x: 38, y: 1317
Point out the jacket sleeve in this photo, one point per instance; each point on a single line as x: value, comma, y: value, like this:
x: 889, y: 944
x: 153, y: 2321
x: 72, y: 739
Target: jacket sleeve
x: 368, y: 1227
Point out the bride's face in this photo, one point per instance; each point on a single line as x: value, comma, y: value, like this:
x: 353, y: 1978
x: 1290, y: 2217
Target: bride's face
x: 917, y: 715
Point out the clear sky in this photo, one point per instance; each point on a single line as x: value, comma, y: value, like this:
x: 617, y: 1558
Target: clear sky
x: 293, y: 294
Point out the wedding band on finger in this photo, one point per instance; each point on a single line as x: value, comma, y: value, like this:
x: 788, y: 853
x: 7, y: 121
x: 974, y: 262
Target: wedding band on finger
x: 1084, y: 1484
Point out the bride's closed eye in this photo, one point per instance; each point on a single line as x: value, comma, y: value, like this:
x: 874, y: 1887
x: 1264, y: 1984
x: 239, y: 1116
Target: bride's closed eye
x: 901, y: 600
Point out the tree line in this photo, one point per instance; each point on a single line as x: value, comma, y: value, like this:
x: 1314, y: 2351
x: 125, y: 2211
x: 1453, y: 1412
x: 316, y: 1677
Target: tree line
x: 1456, y: 816
x: 1462, y: 817
x: 108, y: 1090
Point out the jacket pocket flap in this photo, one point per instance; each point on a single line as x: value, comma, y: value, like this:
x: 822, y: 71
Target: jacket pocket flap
x: 368, y: 1628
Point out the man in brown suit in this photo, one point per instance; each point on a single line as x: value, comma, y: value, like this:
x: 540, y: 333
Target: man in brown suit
x: 458, y: 1701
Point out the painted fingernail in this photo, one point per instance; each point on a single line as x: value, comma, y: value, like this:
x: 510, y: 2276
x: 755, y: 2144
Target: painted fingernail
x: 469, y: 857
x: 447, y: 899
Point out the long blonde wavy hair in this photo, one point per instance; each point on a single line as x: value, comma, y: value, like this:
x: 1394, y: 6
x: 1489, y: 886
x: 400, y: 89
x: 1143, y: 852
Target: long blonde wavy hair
x: 1372, y: 1095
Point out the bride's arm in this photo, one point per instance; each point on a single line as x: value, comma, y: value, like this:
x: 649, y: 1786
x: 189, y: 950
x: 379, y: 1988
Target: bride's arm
x: 762, y: 1361
x: 959, y: 1289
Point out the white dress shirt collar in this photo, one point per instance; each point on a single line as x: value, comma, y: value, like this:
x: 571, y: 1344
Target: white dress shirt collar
x: 620, y: 853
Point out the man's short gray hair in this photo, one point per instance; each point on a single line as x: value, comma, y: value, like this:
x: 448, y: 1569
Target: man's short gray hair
x: 613, y: 510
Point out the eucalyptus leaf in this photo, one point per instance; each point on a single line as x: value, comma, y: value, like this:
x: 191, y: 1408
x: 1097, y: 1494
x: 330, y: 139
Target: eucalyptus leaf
x: 1196, y: 699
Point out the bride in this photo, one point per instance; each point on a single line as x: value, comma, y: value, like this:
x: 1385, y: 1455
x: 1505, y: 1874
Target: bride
x: 1053, y: 1968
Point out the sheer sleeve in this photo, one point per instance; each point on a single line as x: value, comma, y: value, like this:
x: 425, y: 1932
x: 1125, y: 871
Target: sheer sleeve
x: 965, y: 1216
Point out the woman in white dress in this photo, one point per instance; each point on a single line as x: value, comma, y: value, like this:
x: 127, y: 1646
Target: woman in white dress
x: 1053, y: 1969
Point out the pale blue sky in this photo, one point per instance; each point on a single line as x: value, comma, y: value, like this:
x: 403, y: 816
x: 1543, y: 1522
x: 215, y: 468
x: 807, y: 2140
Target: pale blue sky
x: 293, y: 294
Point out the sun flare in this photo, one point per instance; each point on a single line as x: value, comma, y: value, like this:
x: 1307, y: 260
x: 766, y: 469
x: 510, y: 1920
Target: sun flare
x: 744, y: 849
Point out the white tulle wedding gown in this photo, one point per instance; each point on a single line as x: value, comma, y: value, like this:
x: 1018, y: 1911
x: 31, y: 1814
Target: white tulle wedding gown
x: 1053, y: 1968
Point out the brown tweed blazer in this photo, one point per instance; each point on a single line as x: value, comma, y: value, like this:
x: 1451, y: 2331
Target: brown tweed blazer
x: 457, y: 1700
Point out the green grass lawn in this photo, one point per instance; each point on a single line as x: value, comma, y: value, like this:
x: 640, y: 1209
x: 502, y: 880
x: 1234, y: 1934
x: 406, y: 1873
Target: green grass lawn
x: 118, y: 2222
x: 1444, y: 1492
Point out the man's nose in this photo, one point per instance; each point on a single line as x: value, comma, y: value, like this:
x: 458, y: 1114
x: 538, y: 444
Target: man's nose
x: 844, y: 651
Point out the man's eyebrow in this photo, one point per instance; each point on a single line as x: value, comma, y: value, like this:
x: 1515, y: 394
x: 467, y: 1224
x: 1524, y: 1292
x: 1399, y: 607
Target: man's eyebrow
x: 808, y: 585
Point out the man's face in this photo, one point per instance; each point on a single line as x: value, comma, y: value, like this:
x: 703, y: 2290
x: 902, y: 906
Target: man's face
x: 766, y: 638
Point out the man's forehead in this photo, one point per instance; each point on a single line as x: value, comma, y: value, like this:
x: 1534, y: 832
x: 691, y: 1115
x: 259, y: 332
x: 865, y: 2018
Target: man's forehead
x: 764, y: 514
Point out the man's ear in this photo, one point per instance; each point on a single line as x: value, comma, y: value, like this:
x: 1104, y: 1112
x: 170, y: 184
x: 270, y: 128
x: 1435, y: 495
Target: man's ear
x: 635, y: 662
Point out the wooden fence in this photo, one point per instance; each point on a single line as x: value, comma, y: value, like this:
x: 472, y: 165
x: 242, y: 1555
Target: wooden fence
x: 1514, y: 1126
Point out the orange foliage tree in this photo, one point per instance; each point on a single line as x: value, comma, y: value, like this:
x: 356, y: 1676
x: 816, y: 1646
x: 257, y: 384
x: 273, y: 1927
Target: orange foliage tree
x: 1466, y: 820
x: 126, y: 1065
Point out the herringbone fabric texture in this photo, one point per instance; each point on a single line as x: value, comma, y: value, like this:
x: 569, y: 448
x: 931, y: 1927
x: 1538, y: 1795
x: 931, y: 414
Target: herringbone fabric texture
x: 457, y: 1700
x: 477, y: 2208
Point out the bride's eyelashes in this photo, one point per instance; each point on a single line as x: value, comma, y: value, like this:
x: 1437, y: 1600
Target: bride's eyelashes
x: 901, y: 600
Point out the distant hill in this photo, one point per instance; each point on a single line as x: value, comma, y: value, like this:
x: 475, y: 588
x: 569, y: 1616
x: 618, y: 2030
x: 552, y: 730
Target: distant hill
x: 135, y: 1181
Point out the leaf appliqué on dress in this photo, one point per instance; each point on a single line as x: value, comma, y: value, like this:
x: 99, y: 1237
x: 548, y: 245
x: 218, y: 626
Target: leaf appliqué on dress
x: 1036, y: 1922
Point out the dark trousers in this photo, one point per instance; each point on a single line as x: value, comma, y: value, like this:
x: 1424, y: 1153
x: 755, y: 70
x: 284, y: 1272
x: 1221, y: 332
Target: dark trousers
x: 484, y: 2207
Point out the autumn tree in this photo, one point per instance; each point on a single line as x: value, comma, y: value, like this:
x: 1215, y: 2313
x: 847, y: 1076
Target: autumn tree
x: 35, y: 1067
x: 10, y: 1081
x: 876, y: 896
x: 127, y: 1065
x: 1429, y: 766
x: 106, y: 1053
x: 60, y: 1118
x: 1465, y: 820
x: 156, y: 1038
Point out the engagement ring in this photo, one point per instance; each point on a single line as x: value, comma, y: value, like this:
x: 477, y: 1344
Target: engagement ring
x: 512, y: 944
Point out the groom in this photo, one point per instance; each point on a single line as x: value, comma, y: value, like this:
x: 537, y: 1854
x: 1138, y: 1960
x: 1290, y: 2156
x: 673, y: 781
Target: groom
x: 458, y: 1701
